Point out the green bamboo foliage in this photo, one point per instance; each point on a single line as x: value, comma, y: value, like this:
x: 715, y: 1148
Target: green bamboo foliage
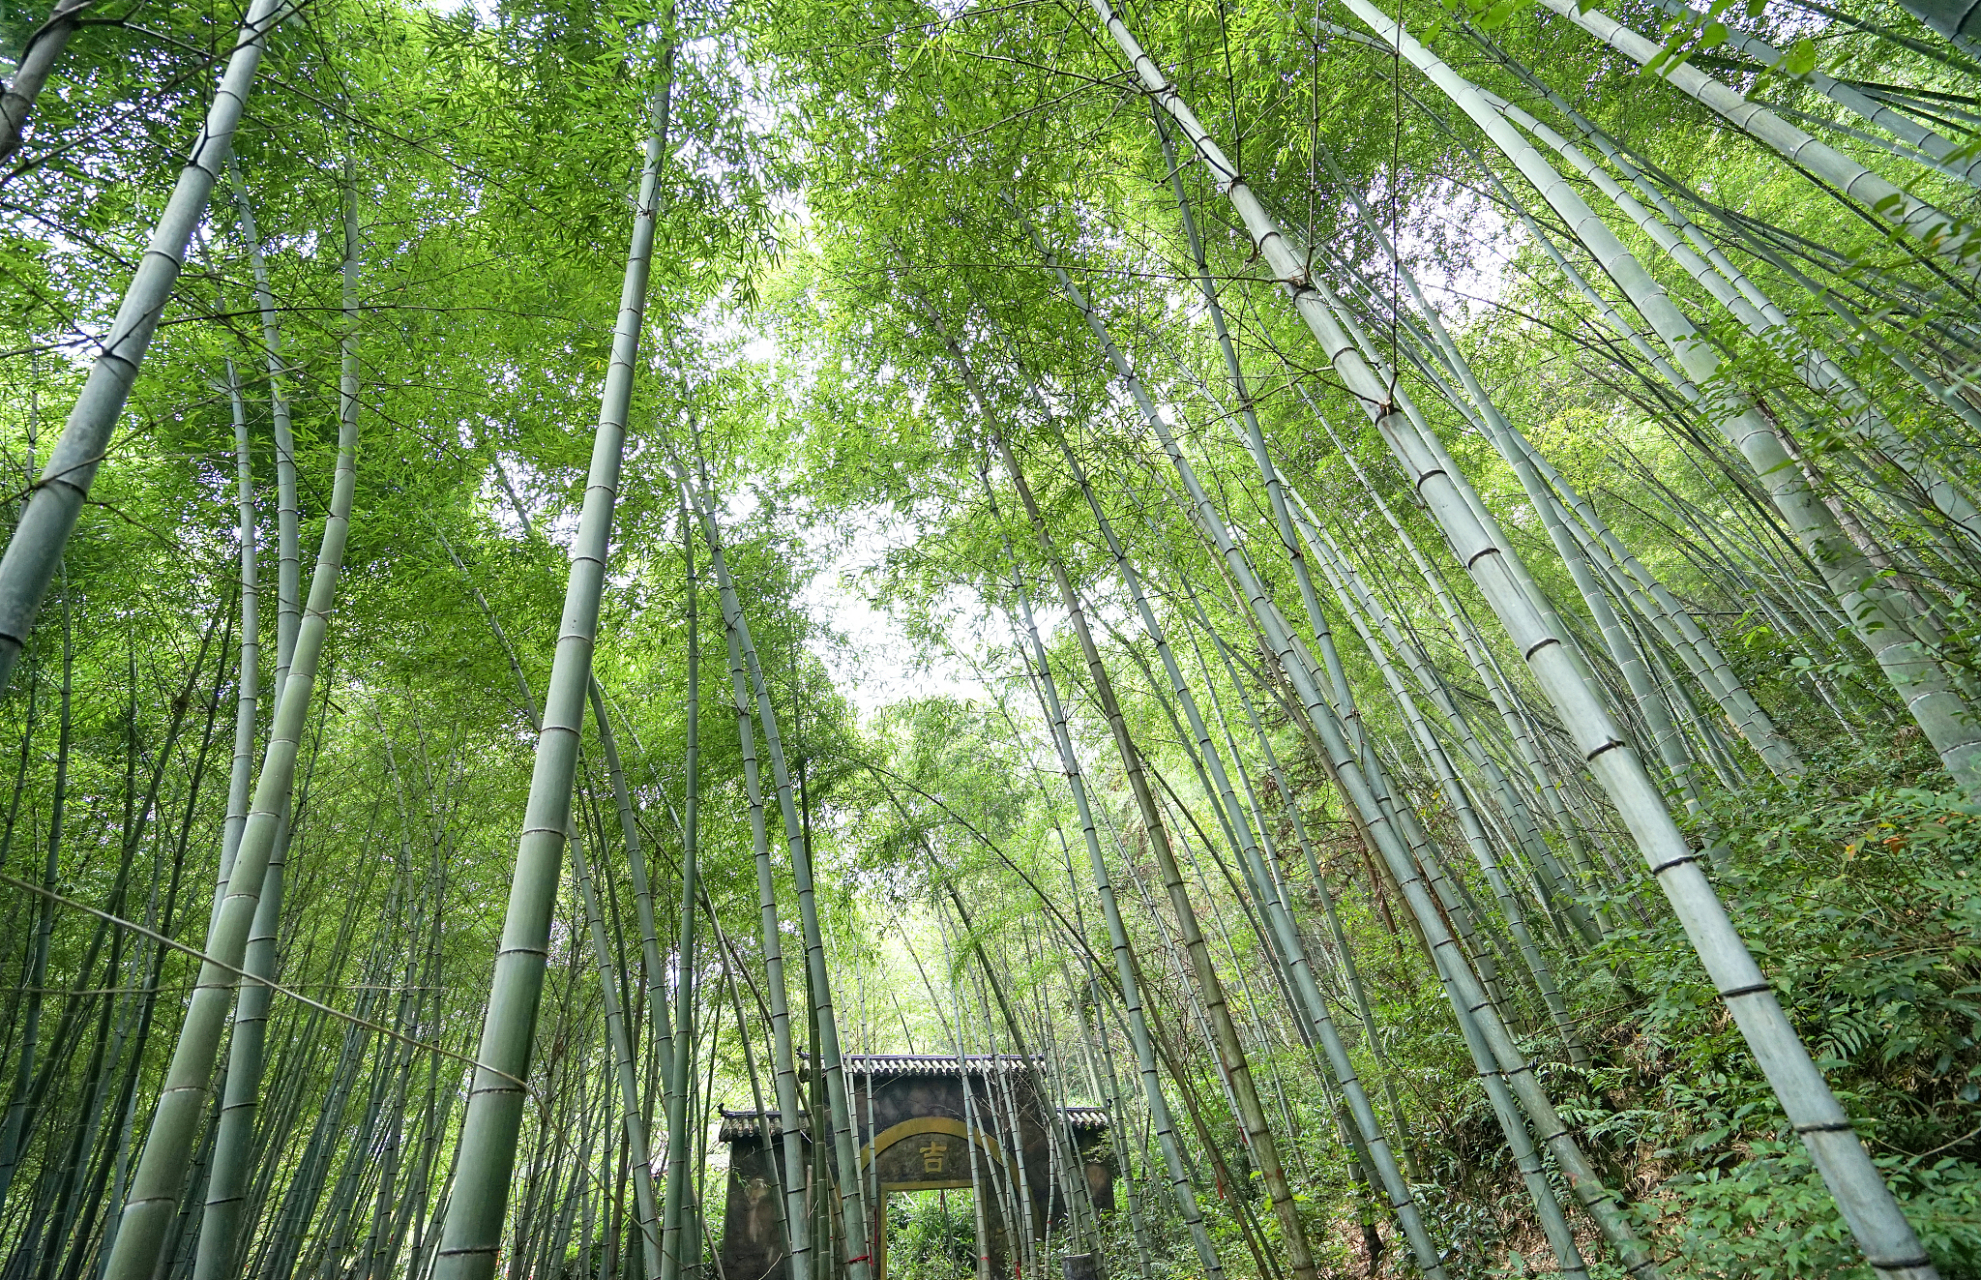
x: 1716, y: 491
x: 28, y: 565
x: 471, y: 1239
x: 1941, y: 233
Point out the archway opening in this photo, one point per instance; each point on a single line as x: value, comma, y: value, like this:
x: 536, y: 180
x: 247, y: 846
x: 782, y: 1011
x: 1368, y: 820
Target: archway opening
x: 931, y: 1235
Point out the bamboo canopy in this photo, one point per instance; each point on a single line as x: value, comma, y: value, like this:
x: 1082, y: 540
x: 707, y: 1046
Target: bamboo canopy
x: 969, y: 640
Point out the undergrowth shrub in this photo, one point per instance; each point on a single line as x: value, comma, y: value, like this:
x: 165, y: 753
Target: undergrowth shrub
x: 1863, y: 907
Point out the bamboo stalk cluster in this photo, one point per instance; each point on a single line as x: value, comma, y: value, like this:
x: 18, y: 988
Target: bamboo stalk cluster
x: 1292, y: 617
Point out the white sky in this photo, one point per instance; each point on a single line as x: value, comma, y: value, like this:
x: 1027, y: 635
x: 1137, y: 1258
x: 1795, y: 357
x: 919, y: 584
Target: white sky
x: 879, y: 664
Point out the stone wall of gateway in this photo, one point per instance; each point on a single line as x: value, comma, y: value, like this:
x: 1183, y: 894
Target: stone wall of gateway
x: 922, y: 1124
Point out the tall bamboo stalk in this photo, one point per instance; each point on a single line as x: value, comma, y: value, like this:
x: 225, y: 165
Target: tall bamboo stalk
x: 797, y: 1221
x: 684, y: 1021
x: 472, y: 1237
x: 37, y: 59
x: 1363, y: 610
x: 851, y: 1211
x: 21, y: 1099
x: 162, y: 1167
x: 1776, y: 751
x: 1344, y: 955
x: 288, y: 585
x: 619, y: 1041
x: 1880, y: 623
x: 220, y: 1223
x: 1133, y: 1009
x: 1462, y: 986
x: 1756, y: 312
x: 1550, y: 884
x: 1942, y: 234
x: 28, y: 565
x: 636, y: 868
x: 1285, y: 934
x: 1231, y: 1050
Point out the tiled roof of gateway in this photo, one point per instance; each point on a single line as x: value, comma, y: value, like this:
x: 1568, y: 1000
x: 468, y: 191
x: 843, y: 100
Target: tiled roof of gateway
x: 1090, y: 1118
x: 938, y: 1064
x: 745, y: 1124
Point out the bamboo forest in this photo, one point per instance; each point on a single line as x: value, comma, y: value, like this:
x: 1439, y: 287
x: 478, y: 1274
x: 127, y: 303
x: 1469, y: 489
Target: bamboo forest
x: 990, y: 639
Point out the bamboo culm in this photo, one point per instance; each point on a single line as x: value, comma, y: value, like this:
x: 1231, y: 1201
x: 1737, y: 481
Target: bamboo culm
x: 1285, y: 934
x: 1230, y: 1049
x: 472, y: 1236
x: 619, y: 1042
x: 44, y: 48
x: 288, y: 592
x: 1134, y: 1013
x: 1755, y: 311
x: 1877, y: 620
x: 797, y: 1221
x: 1940, y: 233
x: 678, y: 1209
x: 845, y: 1157
x: 219, y: 1225
x: 161, y: 1170
x: 29, y: 562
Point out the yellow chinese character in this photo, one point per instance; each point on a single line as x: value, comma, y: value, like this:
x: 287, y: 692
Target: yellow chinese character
x: 934, y: 1155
